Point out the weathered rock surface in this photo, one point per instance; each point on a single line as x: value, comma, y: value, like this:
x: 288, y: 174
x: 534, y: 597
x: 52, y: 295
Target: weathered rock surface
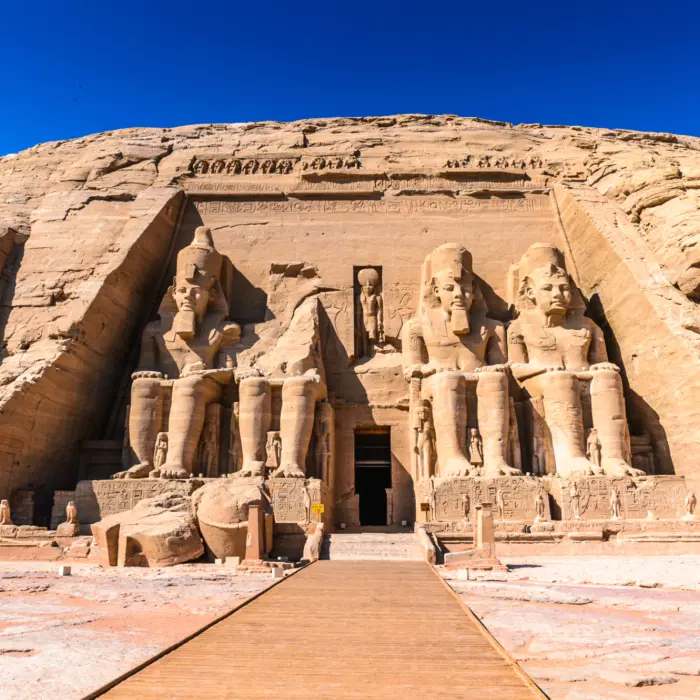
x: 87, y: 228
x: 158, y: 531
x: 222, y: 514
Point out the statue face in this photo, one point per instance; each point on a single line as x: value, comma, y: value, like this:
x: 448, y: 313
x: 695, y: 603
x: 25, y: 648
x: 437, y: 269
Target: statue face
x: 550, y: 292
x: 191, y: 298
x: 368, y: 288
x: 453, y: 294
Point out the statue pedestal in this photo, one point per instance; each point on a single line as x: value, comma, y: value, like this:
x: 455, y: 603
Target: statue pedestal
x: 662, y: 496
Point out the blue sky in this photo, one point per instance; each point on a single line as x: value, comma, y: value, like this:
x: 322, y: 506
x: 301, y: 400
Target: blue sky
x: 70, y: 67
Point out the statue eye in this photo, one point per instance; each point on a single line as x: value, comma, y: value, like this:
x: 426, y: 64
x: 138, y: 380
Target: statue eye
x: 448, y: 287
x: 547, y: 287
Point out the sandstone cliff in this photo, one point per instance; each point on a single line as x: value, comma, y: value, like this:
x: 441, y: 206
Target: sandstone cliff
x: 88, y: 228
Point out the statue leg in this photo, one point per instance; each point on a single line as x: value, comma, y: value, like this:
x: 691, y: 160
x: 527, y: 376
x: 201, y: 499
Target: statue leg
x: 254, y: 424
x: 296, y: 424
x: 610, y: 420
x: 564, y: 417
x: 187, y: 410
x: 494, y: 414
x: 145, y: 421
x: 449, y: 400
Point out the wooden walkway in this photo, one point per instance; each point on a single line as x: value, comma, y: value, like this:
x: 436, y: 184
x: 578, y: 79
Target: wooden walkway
x: 336, y: 630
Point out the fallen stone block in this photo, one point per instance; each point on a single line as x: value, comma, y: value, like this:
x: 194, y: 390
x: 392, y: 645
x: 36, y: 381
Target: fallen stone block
x: 158, y: 531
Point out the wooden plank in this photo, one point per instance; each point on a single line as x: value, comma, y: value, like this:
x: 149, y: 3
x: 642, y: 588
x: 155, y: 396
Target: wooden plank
x: 340, y: 629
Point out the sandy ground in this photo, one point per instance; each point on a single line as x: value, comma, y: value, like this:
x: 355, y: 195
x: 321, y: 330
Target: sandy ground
x: 585, y: 628
x: 64, y: 637
x: 595, y: 628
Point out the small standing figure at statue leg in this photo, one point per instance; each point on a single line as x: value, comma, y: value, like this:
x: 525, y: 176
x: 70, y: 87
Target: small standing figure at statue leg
x: 424, y: 440
x: 160, y: 454
x: 476, y: 449
x: 593, y: 449
x: 691, y: 502
x: 370, y: 313
x: 615, y: 503
x: 5, y: 514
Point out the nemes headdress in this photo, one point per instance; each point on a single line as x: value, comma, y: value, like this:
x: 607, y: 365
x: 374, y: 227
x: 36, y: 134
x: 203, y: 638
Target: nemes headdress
x: 200, y: 262
x: 449, y: 256
x: 536, y: 257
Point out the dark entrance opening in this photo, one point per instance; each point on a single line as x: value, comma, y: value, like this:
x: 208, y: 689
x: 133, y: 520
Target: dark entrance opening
x: 373, y: 474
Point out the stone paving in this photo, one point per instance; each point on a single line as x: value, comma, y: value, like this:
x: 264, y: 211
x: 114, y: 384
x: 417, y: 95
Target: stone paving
x: 64, y: 637
x: 584, y: 628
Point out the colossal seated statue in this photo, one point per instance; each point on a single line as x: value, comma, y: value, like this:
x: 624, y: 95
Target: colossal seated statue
x: 184, y: 352
x: 554, y: 351
x: 450, y: 344
x: 292, y: 366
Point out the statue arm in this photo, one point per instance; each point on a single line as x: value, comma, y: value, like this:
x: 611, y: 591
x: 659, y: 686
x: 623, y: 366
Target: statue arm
x: 518, y: 358
x: 412, y: 349
x: 597, y: 353
x: 497, y: 348
x: 230, y: 335
x: 148, y: 354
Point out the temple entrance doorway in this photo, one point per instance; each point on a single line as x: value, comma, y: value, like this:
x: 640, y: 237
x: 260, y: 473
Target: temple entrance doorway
x: 373, y: 474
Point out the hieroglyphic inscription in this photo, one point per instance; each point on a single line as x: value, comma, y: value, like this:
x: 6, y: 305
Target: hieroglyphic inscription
x: 403, y: 206
x: 513, y: 498
x: 98, y: 499
x: 663, y: 496
x: 289, y: 502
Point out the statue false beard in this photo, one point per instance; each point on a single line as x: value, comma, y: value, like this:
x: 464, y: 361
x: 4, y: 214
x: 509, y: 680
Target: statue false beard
x: 460, y: 322
x: 185, y: 324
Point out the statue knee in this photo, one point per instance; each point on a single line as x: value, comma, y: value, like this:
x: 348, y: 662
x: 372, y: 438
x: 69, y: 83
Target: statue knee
x: 299, y: 386
x: 606, y: 380
x: 197, y: 387
x: 253, y: 390
x: 146, y: 388
x: 450, y: 381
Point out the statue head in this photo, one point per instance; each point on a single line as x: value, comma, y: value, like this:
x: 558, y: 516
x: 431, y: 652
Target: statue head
x: 162, y: 440
x: 4, y: 503
x: 369, y: 280
x: 544, y: 282
x: 196, y: 284
x: 449, y: 284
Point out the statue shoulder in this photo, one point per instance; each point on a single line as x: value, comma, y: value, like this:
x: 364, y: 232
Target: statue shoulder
x: 230, y: 331
x: 516, y: 333
x: 412, y: 328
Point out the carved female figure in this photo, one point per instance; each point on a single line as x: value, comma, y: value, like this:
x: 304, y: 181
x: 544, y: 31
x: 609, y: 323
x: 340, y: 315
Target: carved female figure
x: 424, y: 440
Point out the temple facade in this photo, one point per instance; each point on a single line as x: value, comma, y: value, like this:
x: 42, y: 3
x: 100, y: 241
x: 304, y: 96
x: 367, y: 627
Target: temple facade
x: 385, y: 338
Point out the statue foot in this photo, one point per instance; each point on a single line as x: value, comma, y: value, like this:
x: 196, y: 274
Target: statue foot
x: 577, y: 466
x: 499, y: 467
x: 138, y: 471
x: 173, y: 472
x: 618, y: 467
x: 288, y: 471
x: 458, y: 466
x: 250, y: 470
